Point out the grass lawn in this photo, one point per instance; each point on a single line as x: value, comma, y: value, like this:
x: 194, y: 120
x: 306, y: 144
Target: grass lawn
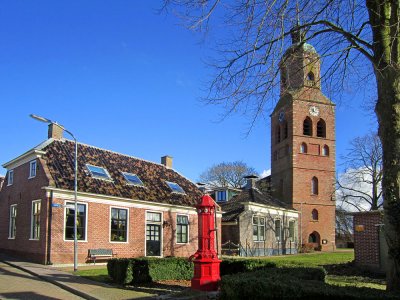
x: 334, y: 262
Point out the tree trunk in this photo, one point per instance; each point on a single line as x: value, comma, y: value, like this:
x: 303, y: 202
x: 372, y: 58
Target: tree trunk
x: 388, y: 112
x: 384, y: 20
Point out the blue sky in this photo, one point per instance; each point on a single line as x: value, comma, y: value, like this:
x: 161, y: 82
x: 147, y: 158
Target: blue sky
x: 121, y: 76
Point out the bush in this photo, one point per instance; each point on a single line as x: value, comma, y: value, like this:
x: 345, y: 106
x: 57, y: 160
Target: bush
x: 233, y: 266
x: 292, y: 283
x: 142, y: 270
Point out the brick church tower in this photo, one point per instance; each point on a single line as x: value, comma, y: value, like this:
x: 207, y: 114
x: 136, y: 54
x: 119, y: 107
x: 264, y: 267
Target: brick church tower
x: 303, y: 146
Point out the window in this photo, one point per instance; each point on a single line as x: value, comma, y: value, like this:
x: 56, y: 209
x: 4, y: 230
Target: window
x: 314, y: 215
x: 98, y: 172
x: 325, y: 150
x: 221, y: 196
x: 182, y: 229
x: 10, y: 178
x: 285, y: 130
x: 258, y: 229
x: 303, y: 148
x: 314, y: 186
x: 35, y: 220
x: 321, y: 128
x: 32, y: 169
x: 278, y: 134
x: 132, y: 179
x: 310, y: 76
x: 12, y: 231
x: 80, y: 222
x: 278, y: 229
x: 307, y: 126
x: 292, y: 230
x: 153, y: 217
x: 176, y: 188
x: 119, y: 222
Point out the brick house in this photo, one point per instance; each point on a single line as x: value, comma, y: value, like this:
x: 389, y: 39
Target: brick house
x: 370, y: 247
x: 132, y: 206
x: 255, y: 224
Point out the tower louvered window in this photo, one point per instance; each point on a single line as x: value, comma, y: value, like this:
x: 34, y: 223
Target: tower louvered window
x: 307, y: 126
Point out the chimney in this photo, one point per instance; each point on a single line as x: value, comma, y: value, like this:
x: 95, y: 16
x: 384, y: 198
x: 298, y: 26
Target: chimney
x: 167, y: 161
x: 251, y: 181
x: 55, y: 132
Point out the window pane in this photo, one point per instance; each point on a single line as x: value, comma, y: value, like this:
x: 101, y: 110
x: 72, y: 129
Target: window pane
x: 118, y: 225
x: 132, y: 179
x: 175, y: 187
x: 80, y: 222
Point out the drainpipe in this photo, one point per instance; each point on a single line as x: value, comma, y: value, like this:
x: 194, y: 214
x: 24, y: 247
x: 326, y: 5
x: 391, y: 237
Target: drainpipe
x: 49, y: 221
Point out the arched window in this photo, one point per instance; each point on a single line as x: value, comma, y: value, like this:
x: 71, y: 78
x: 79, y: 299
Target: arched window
x: 314, y: 215
x: 307, y: 126
x: 325, y: 150
x: 278, y: 134
x: 321, y: 128
x: 303, y: 148
x: 285, y: 130
x: 314, y: 238
x: 314, y: 186
x: 310, y: 76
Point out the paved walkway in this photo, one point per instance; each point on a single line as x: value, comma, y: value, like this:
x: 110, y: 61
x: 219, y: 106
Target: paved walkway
x: 77, y: 285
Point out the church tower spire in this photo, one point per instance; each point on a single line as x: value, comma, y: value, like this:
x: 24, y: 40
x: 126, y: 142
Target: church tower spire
x: 303, y: 145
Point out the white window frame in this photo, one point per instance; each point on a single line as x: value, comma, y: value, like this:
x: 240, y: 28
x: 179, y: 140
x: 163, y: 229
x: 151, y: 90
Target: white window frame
x: 127, y: 225
x: 294, y: 238
x: 69, y: 202
x: 12, y: 225
x: 32, y: 219
x: 161, y: 233
x: 226, y: 195
x: 10, y: 177
x: 278, y: 237
x: 188, y: 229
x: 31, y: 168
x: 259, y: 237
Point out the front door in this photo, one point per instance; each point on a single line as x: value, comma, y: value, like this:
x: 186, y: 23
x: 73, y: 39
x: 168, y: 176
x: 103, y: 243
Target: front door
x: 153, y: 240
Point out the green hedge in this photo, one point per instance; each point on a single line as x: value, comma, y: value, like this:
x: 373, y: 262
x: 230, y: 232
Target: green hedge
x: 291, y: 283
x: 233, y: 266
x: 141, y: 270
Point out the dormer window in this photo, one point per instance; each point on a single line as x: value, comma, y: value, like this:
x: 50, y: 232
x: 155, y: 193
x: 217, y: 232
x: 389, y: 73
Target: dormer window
x: 176, y: 188
x: 221, y: 196
x: 132, y: 179
x: 10, y: 177
x: 32, y: 168
x: 98, y: 172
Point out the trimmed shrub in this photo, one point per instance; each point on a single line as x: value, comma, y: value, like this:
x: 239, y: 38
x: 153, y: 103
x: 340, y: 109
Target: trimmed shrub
x: 142, y: 270
x: 291, y: 283
x: 233, y: 266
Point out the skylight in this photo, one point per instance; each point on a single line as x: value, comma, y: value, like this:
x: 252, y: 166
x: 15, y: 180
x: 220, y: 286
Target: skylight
x: 176, y: 188
x: 98, y: 172
x: 132, y: 179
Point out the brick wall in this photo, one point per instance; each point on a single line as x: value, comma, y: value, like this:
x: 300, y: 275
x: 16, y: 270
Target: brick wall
x: 366, y: 238
x: 22, y: 192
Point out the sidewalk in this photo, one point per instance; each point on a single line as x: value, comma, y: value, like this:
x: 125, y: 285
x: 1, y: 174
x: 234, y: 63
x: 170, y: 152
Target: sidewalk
x: 75, y: 284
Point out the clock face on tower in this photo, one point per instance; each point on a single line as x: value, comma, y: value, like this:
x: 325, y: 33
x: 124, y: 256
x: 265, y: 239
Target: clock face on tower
x: 314, y: 111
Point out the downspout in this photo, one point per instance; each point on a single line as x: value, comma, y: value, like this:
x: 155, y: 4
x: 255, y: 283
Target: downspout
x: 49, y: 222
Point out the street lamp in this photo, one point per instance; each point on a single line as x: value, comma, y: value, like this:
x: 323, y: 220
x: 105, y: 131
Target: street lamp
x: 45, y: 120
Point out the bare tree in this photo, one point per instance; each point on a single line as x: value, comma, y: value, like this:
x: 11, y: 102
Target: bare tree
x: 227, y: 174
x: 359, y: 187
x: 350, y: 33
x: 344, y: 225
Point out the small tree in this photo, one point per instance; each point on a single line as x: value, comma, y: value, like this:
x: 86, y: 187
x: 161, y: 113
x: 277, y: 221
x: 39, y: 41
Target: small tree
x: 227, y: 174
x: 359, y: 187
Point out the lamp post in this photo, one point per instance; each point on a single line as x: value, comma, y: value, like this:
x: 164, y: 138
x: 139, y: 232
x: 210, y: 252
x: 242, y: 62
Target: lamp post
x: 48, y: 121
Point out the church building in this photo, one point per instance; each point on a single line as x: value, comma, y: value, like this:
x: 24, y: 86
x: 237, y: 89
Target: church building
x: 303, y: 146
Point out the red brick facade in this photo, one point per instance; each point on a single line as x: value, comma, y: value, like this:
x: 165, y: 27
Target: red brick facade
x: 52, y: 247
x: 303, y: 147
x: 367, y: 226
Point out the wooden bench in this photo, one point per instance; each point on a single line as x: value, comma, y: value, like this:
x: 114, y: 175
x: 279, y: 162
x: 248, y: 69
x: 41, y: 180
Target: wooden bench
x: 94, y: 254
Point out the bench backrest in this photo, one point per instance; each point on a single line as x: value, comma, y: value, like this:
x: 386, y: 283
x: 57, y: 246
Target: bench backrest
x: 105, y: 252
